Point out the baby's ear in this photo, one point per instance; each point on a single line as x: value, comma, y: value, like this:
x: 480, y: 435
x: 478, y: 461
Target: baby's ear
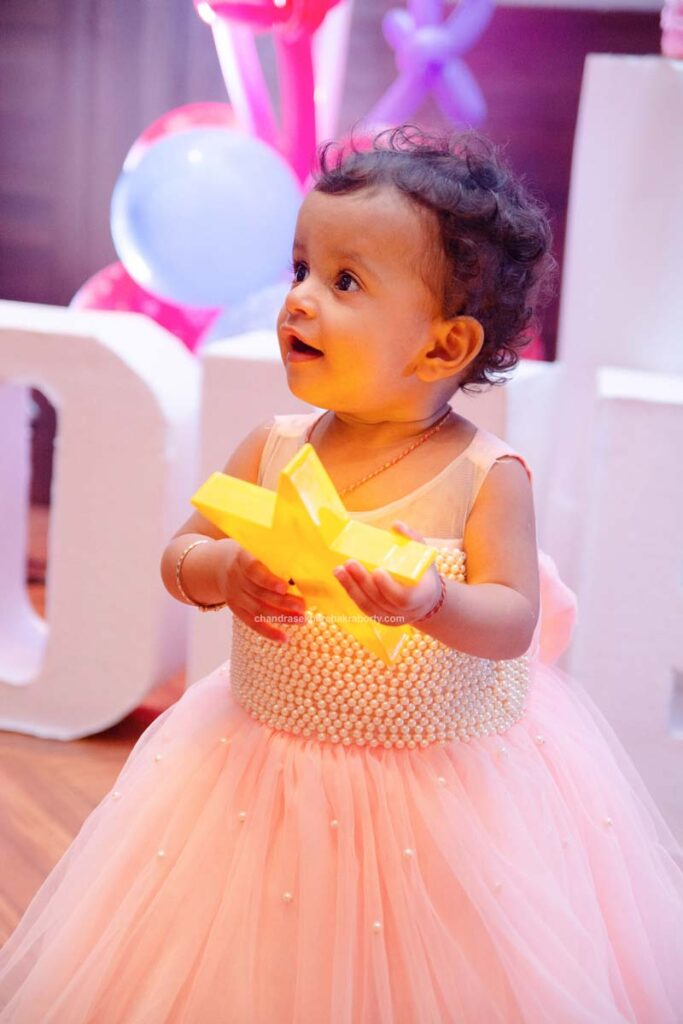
x: 455, y: 343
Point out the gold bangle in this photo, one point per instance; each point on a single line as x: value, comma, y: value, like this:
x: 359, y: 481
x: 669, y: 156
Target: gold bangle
x: 186, y: 598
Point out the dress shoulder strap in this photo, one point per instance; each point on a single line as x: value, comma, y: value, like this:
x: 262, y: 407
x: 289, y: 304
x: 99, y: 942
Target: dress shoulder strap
x: 284, y: 438
x: 486, y: 449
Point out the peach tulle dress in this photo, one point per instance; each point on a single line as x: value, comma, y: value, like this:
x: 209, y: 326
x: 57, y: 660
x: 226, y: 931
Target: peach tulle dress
x: 309, y: 837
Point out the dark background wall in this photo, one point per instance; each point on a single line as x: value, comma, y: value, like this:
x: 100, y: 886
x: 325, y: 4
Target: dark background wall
x: 79, y: 79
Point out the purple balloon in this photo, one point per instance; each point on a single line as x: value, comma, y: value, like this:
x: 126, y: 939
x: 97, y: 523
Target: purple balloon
x: 428, y: 48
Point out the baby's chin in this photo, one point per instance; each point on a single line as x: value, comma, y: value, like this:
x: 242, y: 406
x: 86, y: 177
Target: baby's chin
x: 312, y: 396
x: 304, y: 390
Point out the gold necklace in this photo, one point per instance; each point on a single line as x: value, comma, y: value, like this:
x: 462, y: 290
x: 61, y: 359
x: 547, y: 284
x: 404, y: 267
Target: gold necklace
x: 432, y: 430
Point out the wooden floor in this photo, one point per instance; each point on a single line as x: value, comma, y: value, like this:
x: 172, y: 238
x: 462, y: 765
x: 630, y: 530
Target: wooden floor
x: 48, y: 787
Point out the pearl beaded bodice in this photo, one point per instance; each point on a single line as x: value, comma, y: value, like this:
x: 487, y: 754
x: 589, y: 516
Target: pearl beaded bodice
x: 324, y: 684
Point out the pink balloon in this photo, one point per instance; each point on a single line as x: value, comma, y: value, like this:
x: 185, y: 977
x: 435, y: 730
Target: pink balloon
x: 535, y: 349
x: 294, y: 16
x: 112, y: 288
x: 356, y: 142
x: 671, y: 22
x: 181, y: 119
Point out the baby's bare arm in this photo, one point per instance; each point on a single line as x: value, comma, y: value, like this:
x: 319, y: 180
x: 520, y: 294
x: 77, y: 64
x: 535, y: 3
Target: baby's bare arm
x: 202, y: 566
x: 222, y: 570
x: 494, y: 614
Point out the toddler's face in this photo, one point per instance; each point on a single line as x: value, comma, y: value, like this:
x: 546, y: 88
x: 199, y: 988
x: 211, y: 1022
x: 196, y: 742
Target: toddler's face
x: 358, y: 297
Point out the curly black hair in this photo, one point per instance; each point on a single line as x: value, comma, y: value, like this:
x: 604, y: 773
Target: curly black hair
x: 495, y: 236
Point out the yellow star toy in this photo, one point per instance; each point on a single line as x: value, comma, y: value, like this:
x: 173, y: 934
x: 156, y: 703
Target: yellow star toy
x: 302, y: 531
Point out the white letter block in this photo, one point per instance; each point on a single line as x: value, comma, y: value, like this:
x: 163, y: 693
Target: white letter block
x: 126, y: 394
x: 622, y: 295
x: 622, y: 290
x: 628, y: 650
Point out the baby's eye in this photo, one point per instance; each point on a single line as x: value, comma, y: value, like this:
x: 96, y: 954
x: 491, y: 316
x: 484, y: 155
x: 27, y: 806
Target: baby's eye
x: 346, y: 282
x: 299, y: 271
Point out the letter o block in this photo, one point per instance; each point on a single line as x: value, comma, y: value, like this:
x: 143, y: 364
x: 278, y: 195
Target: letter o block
x: 126, y: 394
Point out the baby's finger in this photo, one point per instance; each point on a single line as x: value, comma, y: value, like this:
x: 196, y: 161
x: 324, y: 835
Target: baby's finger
x: 364, y: 579
x: 408, y: 531
x: 350, y: 585
x: 369, y: 603
x: 282, y: 602
x: 260, y: 574
x: 263, y: 628
x: 267, y: 608
x: 389, y: 588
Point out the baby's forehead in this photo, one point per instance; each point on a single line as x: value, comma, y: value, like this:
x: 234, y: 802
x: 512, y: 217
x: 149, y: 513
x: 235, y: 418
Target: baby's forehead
x: 379, y: 221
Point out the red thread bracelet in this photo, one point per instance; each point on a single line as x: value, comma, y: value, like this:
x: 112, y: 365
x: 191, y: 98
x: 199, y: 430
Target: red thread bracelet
x: 439, y: 601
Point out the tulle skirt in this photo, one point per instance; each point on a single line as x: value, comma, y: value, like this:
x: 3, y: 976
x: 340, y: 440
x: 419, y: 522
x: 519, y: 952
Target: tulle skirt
x: 236, y: 874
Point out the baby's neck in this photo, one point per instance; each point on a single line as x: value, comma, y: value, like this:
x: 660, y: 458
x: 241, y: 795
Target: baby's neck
x: 403, y: 465
x: 374, y: 434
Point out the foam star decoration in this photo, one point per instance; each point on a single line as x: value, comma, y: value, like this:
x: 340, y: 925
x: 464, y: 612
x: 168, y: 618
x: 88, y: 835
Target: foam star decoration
x: 429, y: 49
x: 302, y: 531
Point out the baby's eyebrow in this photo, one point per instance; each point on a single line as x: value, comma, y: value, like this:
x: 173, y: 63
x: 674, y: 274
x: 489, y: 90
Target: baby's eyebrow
x: 346, y: 257
x: 350, y: 256
x: 339, y: 256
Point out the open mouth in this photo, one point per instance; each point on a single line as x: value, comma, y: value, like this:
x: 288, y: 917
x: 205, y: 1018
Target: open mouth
x: 303, y: 348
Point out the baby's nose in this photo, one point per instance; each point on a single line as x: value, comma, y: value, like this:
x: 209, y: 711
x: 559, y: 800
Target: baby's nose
x: 300, y: 299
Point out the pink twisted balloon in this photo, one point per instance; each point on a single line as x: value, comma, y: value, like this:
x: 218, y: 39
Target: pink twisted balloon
x: 293, y: 22
x: 291, y: 16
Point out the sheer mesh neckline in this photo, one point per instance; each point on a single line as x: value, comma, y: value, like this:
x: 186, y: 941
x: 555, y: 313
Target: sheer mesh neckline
x: 383, y: 509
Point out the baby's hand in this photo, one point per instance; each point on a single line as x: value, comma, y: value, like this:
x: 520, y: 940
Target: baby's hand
x: 253, y: 593
x: 382, y: 597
